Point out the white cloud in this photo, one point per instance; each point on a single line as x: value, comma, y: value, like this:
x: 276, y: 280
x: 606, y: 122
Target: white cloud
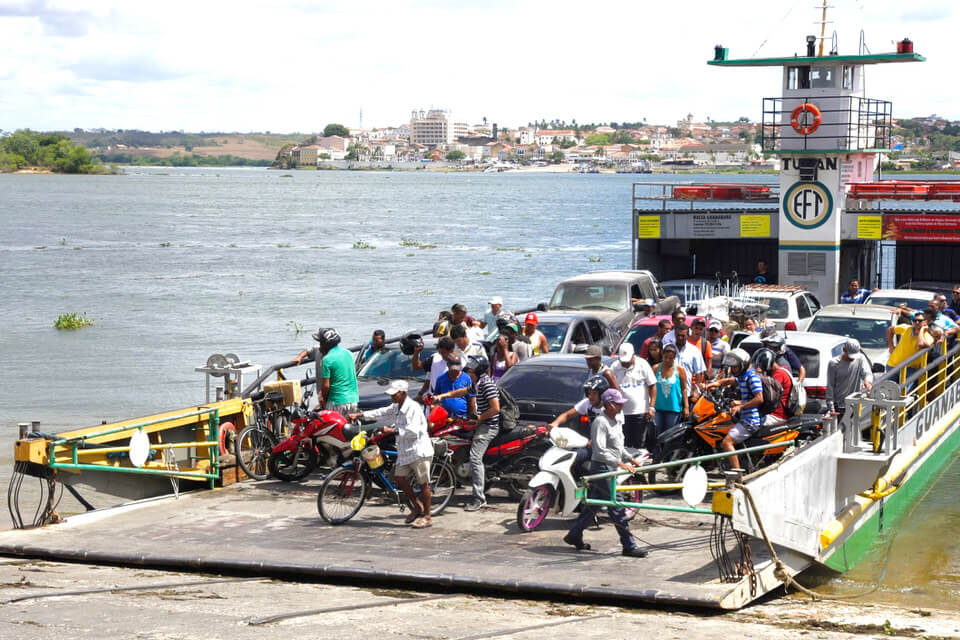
x: 297, y: 65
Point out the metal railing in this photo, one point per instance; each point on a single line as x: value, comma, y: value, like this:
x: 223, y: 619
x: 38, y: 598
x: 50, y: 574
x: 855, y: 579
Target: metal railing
x: 849, y: 123
x: 80, y: 446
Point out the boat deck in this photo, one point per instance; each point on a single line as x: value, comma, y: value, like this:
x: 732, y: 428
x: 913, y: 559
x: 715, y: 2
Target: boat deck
x: 273, y: 529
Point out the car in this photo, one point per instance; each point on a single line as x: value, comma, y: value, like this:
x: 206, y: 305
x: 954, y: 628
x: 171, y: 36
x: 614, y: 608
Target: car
x: 546, y: 386
x: 571, y: 332
x: 610, y: 294
x: 389, y: 364
x: 868, y: 323
x: 643, y: 328
x: 690, y: 289
x: 814, y: 351
x: 933, y: 286
x: 918, y: 299
x: 790, y: 307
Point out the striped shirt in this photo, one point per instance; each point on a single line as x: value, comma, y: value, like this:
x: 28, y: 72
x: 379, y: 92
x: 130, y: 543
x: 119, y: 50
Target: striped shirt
x: 486, y: 390
x: 750, y: 386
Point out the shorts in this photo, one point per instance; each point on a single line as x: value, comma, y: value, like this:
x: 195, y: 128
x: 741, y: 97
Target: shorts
x: 342, y: 409
x: 419, y: 468
x: 740, y: 432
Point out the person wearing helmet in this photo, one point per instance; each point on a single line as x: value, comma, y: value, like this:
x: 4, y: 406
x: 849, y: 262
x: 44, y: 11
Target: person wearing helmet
x: 588, y: 407
x: 534, y: 335
x: 847, y: 373
x: 336, y: 374
x: 765, y: 362
x: 774, y: 340
x: 487, y: 395
x: 751, y: 397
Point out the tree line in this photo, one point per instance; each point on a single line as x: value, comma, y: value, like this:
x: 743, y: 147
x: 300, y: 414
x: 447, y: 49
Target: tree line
x: 52, y: 151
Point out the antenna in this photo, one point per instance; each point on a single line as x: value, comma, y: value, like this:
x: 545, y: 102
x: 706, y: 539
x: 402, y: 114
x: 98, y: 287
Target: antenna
x: 823, y: 24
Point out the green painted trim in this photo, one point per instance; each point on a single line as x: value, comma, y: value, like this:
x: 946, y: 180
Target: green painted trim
x: 862, y: 541
x: 798, y: 60
x: 821, y: 152
x: 809, y: 247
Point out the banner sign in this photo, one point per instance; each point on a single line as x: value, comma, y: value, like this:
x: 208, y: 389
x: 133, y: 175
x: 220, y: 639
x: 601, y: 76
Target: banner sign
x: 754, y: 226
x: 921, y: 228
x: 648, y: 226
x: 869, y: 227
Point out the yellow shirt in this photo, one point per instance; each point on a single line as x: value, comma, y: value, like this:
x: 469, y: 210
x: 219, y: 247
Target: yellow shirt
x: 907, y: 346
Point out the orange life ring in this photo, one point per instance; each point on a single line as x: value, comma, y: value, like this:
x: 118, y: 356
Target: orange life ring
x: 809, y: 128
x: 227, y: 430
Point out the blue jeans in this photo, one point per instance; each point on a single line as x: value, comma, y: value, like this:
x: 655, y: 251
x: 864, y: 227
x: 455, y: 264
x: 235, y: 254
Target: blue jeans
x: 600, y: 490
x: 666, y: 419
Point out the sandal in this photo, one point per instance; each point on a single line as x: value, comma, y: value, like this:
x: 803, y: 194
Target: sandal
x: 413, y: 515
x: 422, y: 523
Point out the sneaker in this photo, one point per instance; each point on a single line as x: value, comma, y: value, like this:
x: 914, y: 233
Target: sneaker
x: 579, y: 545
x: 635, y: 552
x: 475, y: 505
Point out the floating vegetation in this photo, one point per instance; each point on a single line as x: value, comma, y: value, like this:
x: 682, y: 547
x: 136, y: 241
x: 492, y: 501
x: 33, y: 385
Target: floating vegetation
x: 360, y: 244
x: 594, y: 258
x: 295, y: 327
x: 382, y: 312
x: 72, y: 321
x: 284, y: 245
x: 483, y: 273
x: 410, y: 255
x: 164, y: 244
x: 232, y: 245
x: 241, y: 293
x: 425, y: 292
x: 63, y: 242
x: 528, y: 255
x: 287, y: 175
x: 42, y: 247
x: 509, y: 249
x: 78, y: 248
x: 411, y: 242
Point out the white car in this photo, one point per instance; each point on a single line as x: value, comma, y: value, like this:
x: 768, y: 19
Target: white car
x: 914, y: 298
x: 790, y: 308
x: 868, y: 323
x: 814, y: 351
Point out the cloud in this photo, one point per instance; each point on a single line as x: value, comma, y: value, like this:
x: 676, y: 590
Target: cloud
x: 135, y: 69
x: 55, y: 22
x: 931, y: 14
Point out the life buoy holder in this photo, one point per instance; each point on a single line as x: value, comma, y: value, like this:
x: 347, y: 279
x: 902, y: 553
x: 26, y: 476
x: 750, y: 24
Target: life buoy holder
x: 228, y: 437
x: 805, y: 129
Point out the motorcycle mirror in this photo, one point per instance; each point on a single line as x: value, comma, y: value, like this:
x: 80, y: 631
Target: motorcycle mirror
x: 694, y: 485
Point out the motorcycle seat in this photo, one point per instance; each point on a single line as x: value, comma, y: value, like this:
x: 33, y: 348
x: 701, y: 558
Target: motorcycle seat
x: 510, y: 436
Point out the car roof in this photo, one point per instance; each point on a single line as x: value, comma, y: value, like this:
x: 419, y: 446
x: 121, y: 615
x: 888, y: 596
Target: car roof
x: 568, y: 315
x: 429, y: 342
x: 905, y: 293
x: 808, y: 339
x: 606, y: 276
x: 872, y: 311
x: 558, y: 360
x: 767, y: 293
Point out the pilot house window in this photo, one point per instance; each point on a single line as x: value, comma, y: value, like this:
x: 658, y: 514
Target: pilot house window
x: 798, y: 77
x: 822, y: 78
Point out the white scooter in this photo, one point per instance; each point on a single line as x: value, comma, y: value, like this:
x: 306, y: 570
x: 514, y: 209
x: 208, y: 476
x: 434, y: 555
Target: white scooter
x: 555, y: 486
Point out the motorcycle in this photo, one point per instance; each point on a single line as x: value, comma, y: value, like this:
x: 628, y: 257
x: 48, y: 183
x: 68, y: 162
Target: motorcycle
x: 510, y: 461
x: 555, y: 485
x: 708, y: 425
x: 316, y: 440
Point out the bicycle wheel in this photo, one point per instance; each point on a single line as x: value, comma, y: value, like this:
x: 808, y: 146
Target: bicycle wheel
x: 253, y: 448
x: 443, y: 484
x: 342, y: 494
x: 291, y: 466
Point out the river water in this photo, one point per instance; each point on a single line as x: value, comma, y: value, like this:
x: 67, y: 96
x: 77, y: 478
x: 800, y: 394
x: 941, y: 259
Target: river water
x: 175, y: 264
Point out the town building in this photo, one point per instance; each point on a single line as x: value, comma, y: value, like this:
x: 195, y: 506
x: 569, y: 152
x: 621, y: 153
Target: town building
x: 435, y: 128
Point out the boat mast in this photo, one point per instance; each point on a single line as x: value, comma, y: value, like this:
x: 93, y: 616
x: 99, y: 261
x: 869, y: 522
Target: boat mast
x: 823, y: 26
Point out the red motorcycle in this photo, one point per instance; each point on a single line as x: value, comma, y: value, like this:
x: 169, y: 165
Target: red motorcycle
x: 512, y: 459
x: 316, y: 440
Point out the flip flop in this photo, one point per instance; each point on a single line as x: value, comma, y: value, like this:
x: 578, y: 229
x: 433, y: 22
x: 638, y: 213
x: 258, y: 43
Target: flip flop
x: 412, y: 516
x: 422, y: 524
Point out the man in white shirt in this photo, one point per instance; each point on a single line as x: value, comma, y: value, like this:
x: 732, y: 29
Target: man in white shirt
x: 638, y: 385
x: 414, y: 449
x: 465, y: 345
x: 490, y: 317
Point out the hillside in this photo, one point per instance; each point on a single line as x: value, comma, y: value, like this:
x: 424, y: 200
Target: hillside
x: 262, y: 147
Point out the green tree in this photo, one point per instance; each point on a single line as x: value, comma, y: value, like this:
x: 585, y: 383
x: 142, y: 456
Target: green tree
x: 556, y: 157
x: 334, y: 129
x: 456, y: 155
x: 600, y: 139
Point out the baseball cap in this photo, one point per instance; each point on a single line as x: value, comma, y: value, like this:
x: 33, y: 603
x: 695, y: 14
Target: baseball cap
x: 715, y: 324
x: 593, y: 351
x: 626, y: 352
x: 495, y: 300
x: 613, y: 395
x: 851, y: 347
x: 531, y: 319
x: 699, y: 321
x: 647, y: 302
x: 396, y: 386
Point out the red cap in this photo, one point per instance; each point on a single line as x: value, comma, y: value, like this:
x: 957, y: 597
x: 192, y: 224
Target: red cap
x: 531, y: 319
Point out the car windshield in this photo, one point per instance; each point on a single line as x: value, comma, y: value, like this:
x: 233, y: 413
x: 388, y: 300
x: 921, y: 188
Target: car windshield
x: 596, y: 297
x: 552, y: 384
x: 555, y: 332
x: 871, y: 333
x: 809, y: 358
x: 392, y: 363
x: 896, y: 301
x: 639, y: 334
x: 778, y: 307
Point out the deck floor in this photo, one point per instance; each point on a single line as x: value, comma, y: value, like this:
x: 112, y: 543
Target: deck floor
x: 272, y: 528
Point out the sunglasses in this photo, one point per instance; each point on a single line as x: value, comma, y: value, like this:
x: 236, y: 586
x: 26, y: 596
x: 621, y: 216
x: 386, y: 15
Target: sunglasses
x: 915, y: 320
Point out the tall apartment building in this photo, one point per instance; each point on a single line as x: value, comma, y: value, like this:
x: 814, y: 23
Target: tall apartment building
x: 434, y: 128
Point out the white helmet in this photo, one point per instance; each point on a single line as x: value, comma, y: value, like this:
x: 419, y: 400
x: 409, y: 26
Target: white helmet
x: 737, y: 359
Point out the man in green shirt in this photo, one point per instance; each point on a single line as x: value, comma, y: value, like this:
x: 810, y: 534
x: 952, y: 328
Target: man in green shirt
x: 336, y: 377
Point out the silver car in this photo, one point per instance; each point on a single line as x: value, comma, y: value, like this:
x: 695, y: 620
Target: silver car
x: 868, y: 323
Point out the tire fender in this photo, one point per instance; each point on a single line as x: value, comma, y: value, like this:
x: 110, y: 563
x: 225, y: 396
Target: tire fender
x: 544, y: 477
x: 228, y: 435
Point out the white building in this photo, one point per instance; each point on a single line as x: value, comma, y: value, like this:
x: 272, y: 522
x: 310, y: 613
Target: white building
x: 434, y: 128
x: 550, y: 136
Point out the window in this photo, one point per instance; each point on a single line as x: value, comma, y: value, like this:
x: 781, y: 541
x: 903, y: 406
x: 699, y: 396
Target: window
x: 392, y: 363
x: 798, y: 77
x: 812, y: 301
x: 598, y: 297
x: 847, y: 77
x: 822, y: 78
x: 596, y: 332
x: 803, y: 310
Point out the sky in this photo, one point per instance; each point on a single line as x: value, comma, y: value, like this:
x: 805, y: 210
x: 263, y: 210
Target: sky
x: 296, y: 65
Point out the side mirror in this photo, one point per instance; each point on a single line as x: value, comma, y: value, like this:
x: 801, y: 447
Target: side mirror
x: 542, y: 306
x: 580, y: 348
x: 878, y: 368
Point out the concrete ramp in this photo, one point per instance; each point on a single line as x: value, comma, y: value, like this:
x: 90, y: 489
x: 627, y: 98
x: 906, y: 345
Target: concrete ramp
x: 273, y: 529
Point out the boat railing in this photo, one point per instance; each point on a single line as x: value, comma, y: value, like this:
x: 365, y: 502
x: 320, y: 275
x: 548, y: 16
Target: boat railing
x: 691, y: 196
x: 849, y: 123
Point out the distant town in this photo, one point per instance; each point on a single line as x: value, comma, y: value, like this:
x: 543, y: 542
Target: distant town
x: 435, y: 139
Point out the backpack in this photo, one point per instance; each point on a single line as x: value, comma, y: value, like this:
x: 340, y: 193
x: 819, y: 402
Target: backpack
x: 772, y: 393
x: 797, y: 401
x: 509, y: 411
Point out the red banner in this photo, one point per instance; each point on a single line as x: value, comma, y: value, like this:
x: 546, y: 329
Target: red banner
x: 921, y: 228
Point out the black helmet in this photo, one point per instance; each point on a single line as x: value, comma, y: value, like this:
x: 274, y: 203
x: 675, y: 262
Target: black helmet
x: 477, y: 364
x: 763, y: 360
x: 596, y: 383
x: 774, y: 341
x: 327, y: 337
x: 409, y: 342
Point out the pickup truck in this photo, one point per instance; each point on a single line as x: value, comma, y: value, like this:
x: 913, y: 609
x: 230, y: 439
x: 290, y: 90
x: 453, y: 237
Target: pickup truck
x: 610, y: 295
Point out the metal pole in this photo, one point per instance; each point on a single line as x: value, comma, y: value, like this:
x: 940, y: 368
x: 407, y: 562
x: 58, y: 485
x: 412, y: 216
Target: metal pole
x: 35, y: 426
x: 23, y: 427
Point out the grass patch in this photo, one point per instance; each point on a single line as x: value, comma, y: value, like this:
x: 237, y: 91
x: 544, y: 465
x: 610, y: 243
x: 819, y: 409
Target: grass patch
x: 72, y: 321
x: 284, y: 245
x: 528, y: 255
x: 483, y: 273
x: 360, y: 244
x: 164, y: 244
x: 410, y: 242
x: 287, y: 175
x: 509, y: 249
x: 594, y: 258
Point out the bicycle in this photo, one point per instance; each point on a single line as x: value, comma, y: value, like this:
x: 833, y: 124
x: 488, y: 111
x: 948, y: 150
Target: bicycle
x: 347, y: 487
x: 272, y: 423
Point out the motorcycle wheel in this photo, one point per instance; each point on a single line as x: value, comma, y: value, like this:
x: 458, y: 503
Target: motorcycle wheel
x: 526, y: 467
x: 443, y: 484
x: 534, y: 507
x: 253, y: 446
x: 632, y: 496
x: 291, y: 466
x: 342, y: 494
x: 675, y: 474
